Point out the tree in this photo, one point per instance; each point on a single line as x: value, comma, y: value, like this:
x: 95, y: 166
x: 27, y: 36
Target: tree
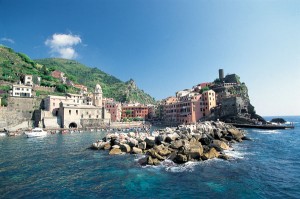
x: 206, y: 88
x: 61, y: 88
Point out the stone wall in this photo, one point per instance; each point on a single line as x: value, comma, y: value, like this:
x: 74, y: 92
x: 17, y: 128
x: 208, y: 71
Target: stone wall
x: 43, y: 88
x: 92, y: 123
x: 19, y: 113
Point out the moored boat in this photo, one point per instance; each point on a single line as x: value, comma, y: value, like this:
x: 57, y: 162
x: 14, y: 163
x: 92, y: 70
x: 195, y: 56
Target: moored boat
x: 36, y: 132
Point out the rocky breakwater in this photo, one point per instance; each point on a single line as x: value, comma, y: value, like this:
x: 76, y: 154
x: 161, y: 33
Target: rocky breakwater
x: 185, y: 143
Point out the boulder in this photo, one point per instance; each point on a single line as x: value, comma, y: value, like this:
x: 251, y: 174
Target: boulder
x: 220, y: 144
x: 235, y: 133
x: 171, y: 137
x: 180, y: 159
x: 153, y: 161
x: 162, y: 150
x: 212, y: 153
x: 115, y: 147
x: 217, y: 134
x: 142, y: 145
x: 136, y: 150
x: 154, y: 154
x: 150, y: 141
x: 131, y: 134
x: 115, y: 151
x: 107, y: 146
x: 224, y: 157
x: 205, y: 140
x: 176, y: 144
x: 132, y: 142
x: 195, y: 151
x: 125, y: 148
x: 143, y: 161
x: 197, y: 136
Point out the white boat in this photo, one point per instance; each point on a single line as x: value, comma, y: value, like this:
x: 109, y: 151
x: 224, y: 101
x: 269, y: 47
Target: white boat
x: 36, y: 132
x: 2, y: 134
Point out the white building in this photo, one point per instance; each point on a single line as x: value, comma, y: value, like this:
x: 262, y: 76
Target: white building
x: 19, y: 90
x: 28, y: 80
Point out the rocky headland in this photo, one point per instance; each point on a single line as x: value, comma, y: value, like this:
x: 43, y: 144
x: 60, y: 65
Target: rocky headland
x: 202, y: 141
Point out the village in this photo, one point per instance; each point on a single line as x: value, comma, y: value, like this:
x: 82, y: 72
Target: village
x: 89, y: 109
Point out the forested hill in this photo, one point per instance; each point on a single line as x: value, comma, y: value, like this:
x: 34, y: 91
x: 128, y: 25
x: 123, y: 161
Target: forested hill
x: 13, y: 65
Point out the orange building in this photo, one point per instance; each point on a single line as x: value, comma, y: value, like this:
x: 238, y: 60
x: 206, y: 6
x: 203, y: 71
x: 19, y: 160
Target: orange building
x: 135, y: 111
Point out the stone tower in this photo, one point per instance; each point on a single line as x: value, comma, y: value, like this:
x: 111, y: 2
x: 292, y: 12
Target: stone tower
x: 97, y: 96
x: 221, y: 74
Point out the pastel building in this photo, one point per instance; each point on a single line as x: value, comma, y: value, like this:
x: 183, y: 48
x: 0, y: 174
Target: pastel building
x: 188, y: 106
x: 207, y: 102
x: 135, y: 111
x: 114, y: 108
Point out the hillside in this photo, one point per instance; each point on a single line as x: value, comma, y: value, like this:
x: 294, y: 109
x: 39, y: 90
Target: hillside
x: 13, y: 65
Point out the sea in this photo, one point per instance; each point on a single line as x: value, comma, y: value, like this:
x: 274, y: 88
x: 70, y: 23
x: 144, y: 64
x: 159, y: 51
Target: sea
x: 62, y: 166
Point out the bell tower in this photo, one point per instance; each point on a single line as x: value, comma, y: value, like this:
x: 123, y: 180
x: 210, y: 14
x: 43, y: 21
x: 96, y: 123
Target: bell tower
x: 97, y: 96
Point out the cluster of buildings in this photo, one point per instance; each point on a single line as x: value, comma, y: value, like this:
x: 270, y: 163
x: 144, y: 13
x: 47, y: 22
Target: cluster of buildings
x: 188, y: 106
x: 82, y: 109
x: 90, y: 108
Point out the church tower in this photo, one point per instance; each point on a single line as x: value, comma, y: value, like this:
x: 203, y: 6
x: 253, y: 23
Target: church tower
x: 97, y: 96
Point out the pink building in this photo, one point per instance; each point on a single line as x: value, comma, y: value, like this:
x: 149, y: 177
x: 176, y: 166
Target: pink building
x: 189, y: 107
x: 114, y: 108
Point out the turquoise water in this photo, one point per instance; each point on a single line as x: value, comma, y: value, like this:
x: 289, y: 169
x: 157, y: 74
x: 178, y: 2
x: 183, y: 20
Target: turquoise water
x: 60, y: 166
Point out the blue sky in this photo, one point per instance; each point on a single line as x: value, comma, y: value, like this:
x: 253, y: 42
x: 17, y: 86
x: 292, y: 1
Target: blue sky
x: 169, y: 45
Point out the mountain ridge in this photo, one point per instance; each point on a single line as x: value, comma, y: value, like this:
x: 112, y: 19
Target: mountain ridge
x: 14, y: 64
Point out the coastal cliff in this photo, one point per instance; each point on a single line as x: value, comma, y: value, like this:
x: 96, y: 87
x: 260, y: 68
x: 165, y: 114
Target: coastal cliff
x: 233, y: 102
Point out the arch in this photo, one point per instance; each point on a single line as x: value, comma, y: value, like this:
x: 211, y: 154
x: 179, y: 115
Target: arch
x: 72, y: 125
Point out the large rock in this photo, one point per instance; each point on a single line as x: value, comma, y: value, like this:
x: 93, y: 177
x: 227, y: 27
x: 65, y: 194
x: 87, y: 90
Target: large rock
x: 235, y: 133
x: 142, y: 145
x: 107, y: 146
x: 115, y: 151
x: 171, y: 137
x: 220, y: 144
x: 125, y: 148
x: 155, y: 154
x: 132, y: 142
x: 162, y: 150
x: 180, y: 158
x: 212, y: 153
x: 136, y: 150
x: 153, y: 161
x: 196, y: 151
x: 150, y: 141
x: 176, y: 144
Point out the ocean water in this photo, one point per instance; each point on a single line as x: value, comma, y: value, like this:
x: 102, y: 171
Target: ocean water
x: 61, y: 166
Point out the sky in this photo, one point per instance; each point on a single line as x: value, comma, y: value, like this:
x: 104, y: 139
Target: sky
x: 169, y: 45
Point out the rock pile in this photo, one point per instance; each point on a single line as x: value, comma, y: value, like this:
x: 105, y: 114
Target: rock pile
x: 185, y: 143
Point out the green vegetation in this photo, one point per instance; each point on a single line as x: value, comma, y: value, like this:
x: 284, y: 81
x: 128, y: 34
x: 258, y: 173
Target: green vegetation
x: 13, y: 65
x: 111, y: 86
x: 206, y: 88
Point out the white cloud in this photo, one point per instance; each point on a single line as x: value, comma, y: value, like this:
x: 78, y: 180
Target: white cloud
x: 62, y: 45
x: 7, y: 40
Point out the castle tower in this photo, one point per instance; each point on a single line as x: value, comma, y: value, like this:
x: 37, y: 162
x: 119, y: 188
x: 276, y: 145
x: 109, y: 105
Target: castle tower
x: 97, y: 96
x: 221, y: 74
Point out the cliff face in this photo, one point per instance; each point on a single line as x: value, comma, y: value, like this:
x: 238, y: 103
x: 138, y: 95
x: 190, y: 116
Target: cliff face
x: 233, y: 102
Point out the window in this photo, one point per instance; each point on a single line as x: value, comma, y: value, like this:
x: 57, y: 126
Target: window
x: 76, y: 112
x: 53, y: 104
x: 69, y: 112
